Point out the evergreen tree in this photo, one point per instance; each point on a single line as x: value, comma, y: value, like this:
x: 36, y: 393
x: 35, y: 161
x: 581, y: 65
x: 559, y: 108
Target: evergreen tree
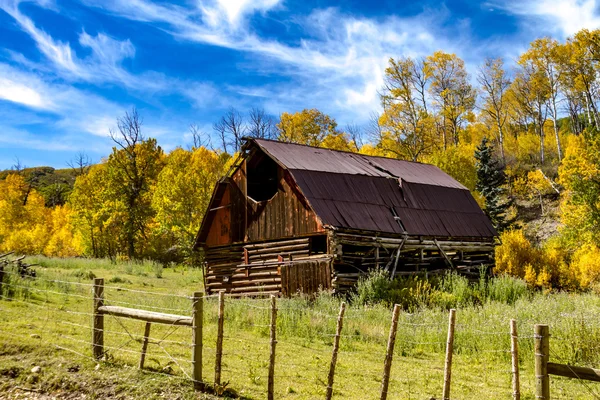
x: 490, y: 183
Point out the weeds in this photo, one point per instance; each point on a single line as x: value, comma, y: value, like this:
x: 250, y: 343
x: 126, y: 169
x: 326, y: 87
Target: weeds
x: 448, y: 291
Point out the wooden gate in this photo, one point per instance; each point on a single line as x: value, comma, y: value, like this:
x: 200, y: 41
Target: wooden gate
x: 306, y: 277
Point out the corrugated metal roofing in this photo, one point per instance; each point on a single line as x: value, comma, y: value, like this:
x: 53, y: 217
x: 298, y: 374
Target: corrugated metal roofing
x: 354, y: 191
x: 301, y: 157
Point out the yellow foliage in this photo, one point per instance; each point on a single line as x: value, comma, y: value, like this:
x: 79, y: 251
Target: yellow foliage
x: 586, y: 264
x: 23, y: 217
x: 306, y: 127
x: 515, y: 254
x: 543, y: 279
x: 529, y: 275
x: 457, y: 161
x: 62, y: 241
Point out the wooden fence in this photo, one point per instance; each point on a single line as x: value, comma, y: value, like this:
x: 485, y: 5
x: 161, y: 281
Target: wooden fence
x: 195, y: 321
x: 544, y: 368
x: 197, y: 341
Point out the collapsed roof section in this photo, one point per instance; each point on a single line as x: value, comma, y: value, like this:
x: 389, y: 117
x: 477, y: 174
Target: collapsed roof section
x: 357, y: 192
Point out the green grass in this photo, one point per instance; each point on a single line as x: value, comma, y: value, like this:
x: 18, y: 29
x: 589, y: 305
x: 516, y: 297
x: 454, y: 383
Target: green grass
x: 48, y: 324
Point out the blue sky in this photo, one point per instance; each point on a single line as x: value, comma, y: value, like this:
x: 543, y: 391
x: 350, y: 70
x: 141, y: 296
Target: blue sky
x: 68, y: 69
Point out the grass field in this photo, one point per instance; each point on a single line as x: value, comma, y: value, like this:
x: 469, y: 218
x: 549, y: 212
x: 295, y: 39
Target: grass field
x: 46, y: 322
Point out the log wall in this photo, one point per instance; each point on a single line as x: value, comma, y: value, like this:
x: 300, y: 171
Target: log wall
x: 282, y: 267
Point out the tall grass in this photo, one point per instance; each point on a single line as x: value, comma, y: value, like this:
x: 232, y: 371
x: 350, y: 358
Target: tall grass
x: 448, y: 291
x: 305, y: 326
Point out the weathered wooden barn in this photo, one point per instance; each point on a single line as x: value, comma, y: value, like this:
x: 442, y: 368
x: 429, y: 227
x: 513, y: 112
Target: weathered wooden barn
x: 291, y: 218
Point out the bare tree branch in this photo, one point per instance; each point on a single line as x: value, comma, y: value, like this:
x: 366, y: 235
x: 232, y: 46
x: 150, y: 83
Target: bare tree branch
x: 80, y: 164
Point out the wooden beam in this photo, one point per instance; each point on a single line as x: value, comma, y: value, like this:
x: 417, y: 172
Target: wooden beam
x: 148, y: 316
x: 443, y: 253
x: 570, y: 371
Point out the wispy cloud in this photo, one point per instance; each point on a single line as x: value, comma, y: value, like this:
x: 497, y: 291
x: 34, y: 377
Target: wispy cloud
x: 71, y: 107
x: 342, y: 62
x: 558, y: 17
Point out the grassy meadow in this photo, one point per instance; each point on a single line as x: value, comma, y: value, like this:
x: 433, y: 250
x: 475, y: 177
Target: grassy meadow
x: 46, y: 322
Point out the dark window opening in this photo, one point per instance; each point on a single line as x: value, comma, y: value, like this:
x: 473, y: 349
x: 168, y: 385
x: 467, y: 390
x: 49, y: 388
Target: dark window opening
x: 262, y: 178
x: 318, y: 244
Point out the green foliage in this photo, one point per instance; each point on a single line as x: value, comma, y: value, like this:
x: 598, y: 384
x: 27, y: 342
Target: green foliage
x: 54, y: 185
x: 448, y: 291
x: 490, y: 183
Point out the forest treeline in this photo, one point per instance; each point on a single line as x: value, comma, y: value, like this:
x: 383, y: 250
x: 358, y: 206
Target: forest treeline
x: 536, y: 122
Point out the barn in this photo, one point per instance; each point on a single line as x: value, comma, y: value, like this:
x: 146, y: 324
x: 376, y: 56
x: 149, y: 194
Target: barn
x: 291, y: 218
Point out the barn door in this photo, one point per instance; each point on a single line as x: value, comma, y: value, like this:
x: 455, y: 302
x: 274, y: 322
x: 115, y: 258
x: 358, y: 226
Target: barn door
x: 305, y: 277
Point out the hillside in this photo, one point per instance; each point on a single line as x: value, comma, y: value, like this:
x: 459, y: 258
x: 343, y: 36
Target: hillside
x: 54, y: 185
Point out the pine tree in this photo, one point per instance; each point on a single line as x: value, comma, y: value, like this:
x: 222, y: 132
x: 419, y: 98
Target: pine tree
x: 490, y: 183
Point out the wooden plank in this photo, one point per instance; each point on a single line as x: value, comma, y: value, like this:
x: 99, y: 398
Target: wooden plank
x: 570, y: 371
x: 279, y: 249
x: 148, y: 316
x: 276, y: 243
x: 249, y: 289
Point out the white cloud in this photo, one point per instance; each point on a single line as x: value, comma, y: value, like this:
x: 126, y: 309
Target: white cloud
x: 338, y: 67
x: 233, y: 11
x: 563, y: 17
x: 74, y: 108
x: 19, y: 93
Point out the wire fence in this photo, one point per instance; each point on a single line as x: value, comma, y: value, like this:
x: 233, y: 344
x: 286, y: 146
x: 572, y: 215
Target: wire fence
x: 60, y: 314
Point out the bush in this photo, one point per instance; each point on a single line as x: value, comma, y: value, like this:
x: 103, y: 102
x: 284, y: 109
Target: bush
x: 515, y: 253
x: 374, y: 288
x: 83, y: 274
x: 459, y: 287
x: 118, y: 279
x: 586, y: 265
x: 506, y: 289
x: 451, y: 290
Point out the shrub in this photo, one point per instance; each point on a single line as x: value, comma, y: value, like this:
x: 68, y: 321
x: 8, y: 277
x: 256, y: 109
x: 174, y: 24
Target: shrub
x: 586, y: 265
x: 515, y: 253
x: 83, y: 274
x: 373, y: 288
x: 506, y: 289
x: 118, y: 279
x: 463, y: 292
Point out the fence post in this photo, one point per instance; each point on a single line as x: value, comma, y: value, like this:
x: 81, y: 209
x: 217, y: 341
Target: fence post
x: 197, y: 317
x: 271, y: 382
x: 336, y: 346
x: 98, y: 331
x: 1, y: 278
x: 449, y: 351
x: 514, y: 351
x: 390, y: 353
x: 145, y: 345
x: 542, y: 351
x: 219, y: 353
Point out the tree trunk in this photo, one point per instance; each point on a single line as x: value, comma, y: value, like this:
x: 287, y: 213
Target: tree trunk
x: 554, y: 117
x: 501, y: 140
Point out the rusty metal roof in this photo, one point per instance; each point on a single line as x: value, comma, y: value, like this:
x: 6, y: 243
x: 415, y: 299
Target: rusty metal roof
x: 354, y: 191
x: 301, y: 157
